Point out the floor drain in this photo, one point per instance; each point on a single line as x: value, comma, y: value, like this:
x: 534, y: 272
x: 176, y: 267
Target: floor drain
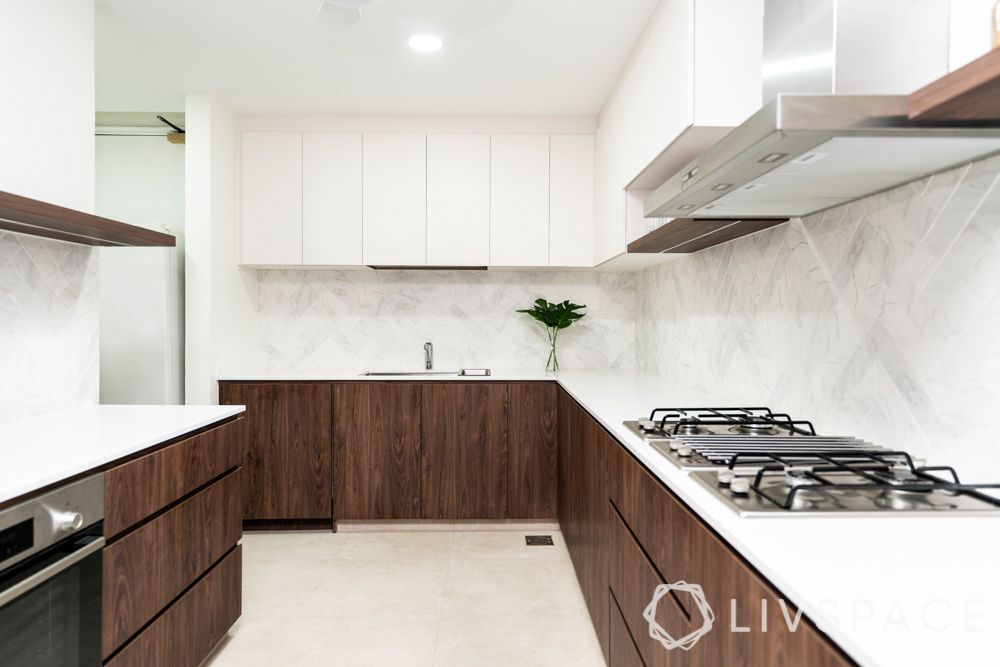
x: 538, y: 540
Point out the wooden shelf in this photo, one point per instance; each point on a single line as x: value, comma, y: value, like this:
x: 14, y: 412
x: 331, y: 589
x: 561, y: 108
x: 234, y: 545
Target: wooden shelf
x: 694, y: 234
x: 971, y: 93
x: 38, y: 218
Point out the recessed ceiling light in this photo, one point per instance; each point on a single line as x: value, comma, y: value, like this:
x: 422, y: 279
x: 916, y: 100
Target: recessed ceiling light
x: 425, y: 43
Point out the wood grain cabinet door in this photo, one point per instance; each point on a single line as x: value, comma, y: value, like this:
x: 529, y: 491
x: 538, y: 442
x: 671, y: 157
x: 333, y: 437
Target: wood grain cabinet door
x: 584, y: 454
x: 532, y: 450
x: 464, y: 450
x: 287, y: 462
x: 376, y: 445
x: 767, y: 639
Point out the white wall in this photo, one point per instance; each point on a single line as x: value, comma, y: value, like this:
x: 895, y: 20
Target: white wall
x: 140, y: 180
x: 220, y: 297
x: 48, y: 289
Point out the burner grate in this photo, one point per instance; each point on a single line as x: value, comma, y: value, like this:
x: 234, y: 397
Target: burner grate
x: 884, y: 471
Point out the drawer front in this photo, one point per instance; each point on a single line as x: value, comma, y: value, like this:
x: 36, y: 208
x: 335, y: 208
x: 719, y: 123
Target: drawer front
x: 142, y: 487
x: 633, y: 581
x: 622, y: 652
x: 146, y: 569
x: 192, y: 626
x: 661, y: 524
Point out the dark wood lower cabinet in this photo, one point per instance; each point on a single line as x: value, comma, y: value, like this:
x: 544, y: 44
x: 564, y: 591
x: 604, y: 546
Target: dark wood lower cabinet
x: 287, y: 458
x: 648, y: 537
x: 532, y: 450
x: 188, y: 631
x: 376, y: 445
x: 583, y: 506
x: 464, y: 450
x: 622, y: 651
x: 171, y: 570
x: 147, y: 568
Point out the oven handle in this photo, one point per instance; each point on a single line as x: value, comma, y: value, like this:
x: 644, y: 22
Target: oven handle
x: 20, y: 588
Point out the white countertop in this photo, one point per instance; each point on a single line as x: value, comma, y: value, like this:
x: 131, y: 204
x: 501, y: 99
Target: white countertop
x: 46, y: 449
x: 889, y: 589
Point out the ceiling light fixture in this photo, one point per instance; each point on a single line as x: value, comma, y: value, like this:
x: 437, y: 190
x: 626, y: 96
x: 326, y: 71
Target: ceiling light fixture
x: 425, y: 43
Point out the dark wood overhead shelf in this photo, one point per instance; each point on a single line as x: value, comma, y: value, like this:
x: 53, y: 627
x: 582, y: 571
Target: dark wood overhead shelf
x: 38, y: 218
x: 971, y: 93
x: 694, y: 234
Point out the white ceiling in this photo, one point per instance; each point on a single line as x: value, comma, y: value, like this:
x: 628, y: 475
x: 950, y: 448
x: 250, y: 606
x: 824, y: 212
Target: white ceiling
x: 500, y: 57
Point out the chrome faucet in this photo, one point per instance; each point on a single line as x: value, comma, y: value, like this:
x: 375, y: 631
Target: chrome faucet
x: 428, y: 355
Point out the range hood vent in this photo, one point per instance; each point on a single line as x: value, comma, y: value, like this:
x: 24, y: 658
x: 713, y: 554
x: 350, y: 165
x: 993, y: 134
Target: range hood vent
x: 801, y: 154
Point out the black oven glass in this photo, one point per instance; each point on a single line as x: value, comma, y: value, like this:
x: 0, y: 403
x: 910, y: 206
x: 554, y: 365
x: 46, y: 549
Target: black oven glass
x: 57, y: 623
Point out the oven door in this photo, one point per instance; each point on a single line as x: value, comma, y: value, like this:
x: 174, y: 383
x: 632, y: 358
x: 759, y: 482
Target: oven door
x: 50, y: 606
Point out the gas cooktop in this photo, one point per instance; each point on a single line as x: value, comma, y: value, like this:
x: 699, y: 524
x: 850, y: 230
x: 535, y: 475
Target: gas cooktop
x: 765, y: 463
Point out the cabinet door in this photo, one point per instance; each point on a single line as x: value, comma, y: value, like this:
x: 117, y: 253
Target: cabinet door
x: 519, y: 200
x: 458, y: 200
x: 395, y: 199
x: 464, y: 442
x: 287, y: 457
x: 725, y: 578
x: 331, y: 198
x: 532, y: 450
x: 571, y: 209
x: 622, y: 651
x: 272, y: 198
x: 376, y: 445
x: 584, y: 507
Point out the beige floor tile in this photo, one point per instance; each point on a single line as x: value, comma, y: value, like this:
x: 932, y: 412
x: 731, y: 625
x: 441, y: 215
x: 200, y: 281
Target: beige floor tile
x: 511, y: 587
x: 469, y: 598
x: 291, y: 545
x: 274, y: 588
x: 560, y: 639
x: 406, y: 546
x: 379, y: 586
x: 506, y: 544
x: 505, y: 525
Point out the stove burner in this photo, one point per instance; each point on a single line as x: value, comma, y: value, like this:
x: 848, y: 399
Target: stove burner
x: 754, y: 428
x: 684, y: 428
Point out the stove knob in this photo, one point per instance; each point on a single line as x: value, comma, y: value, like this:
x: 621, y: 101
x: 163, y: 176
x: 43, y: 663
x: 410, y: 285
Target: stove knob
x: 675, y: 445
x: 65, y: 522
x: 684, y: 451
x: 740, y: 486
x: 725, y: 477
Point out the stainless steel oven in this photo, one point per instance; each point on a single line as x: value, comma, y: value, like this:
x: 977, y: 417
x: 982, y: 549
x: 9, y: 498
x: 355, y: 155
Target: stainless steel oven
x: 50, y: 578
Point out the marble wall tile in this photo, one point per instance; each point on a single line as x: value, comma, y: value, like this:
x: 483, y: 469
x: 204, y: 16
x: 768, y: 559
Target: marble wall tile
x: 49, y: 326
x: 880, y: 318
x: 329, y: 319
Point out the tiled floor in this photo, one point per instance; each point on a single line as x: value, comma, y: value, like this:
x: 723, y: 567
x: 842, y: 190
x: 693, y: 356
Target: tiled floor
x: 434, y: 598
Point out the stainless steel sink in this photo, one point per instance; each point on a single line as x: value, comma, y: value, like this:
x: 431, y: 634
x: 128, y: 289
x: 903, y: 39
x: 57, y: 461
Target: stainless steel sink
x: 479, y: 372
x: 390, y: 373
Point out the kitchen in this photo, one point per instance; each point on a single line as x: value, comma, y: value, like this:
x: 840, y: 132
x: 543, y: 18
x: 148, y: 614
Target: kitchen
x: 362, y: 332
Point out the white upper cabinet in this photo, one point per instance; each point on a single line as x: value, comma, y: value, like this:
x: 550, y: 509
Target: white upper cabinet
x: 571, y: 204
x: 695, y: 73
x: 272, y: 198
x: 331, y: 199
x: 458, y: 200
x: 395, y: 199
x: 519, y: 200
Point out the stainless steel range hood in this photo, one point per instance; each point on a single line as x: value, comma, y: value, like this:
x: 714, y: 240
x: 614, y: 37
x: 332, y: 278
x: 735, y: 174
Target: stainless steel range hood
x: 838, y: 130
x: 801, y: 154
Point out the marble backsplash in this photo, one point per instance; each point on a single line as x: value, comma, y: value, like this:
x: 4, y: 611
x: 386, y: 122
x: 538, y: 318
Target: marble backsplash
x: 310, y: 319
x: 880, y: 318
x: 49, y: 345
